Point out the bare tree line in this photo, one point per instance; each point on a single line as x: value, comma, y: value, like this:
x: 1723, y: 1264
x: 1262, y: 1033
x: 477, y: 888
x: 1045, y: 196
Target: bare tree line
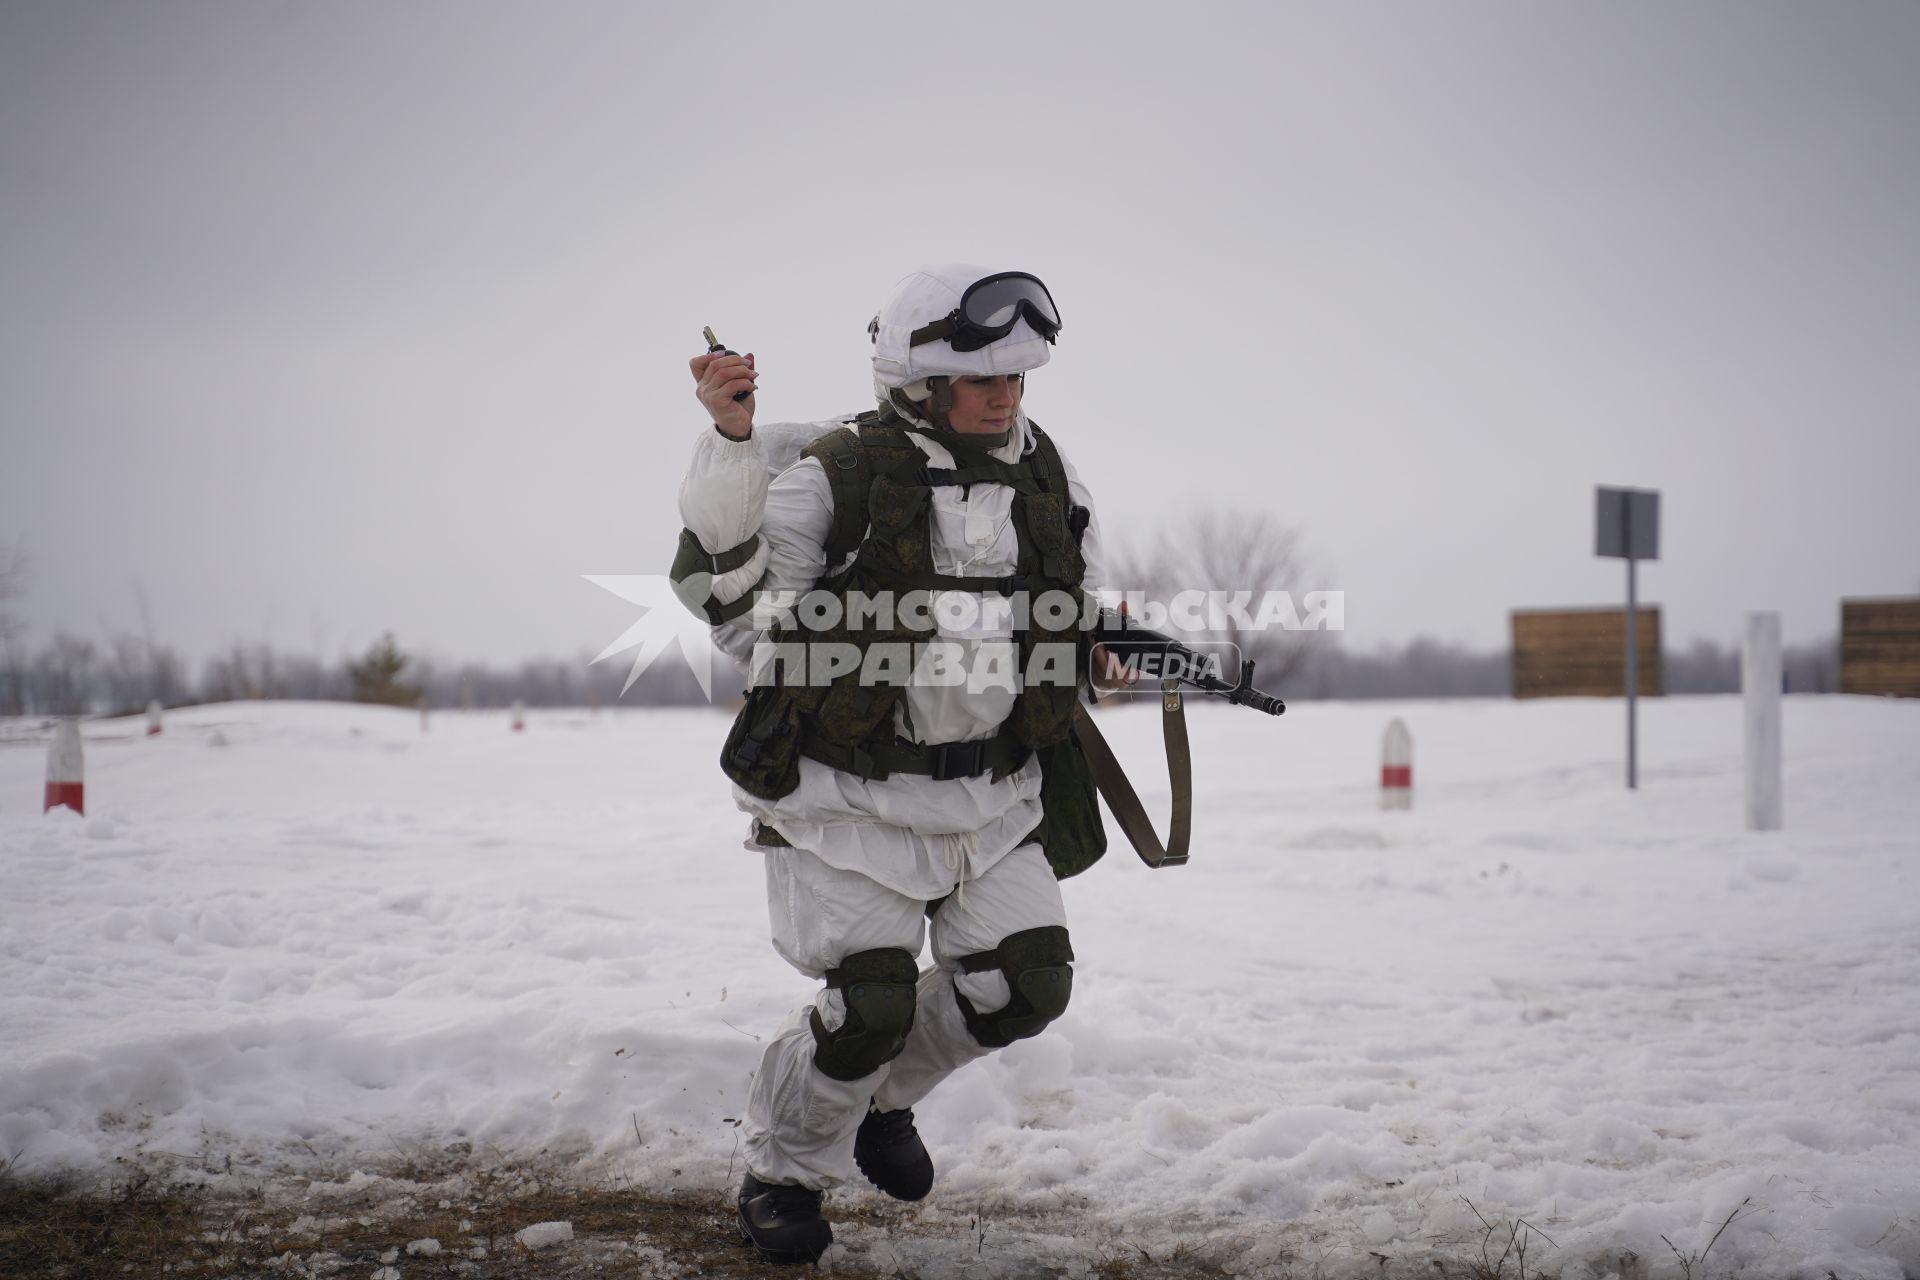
x: 1236, y: 550
x: 1429, y: 668
x: 71, y: 675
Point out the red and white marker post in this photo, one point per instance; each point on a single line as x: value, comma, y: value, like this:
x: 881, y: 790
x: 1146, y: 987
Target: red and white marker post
x: 155, y: 713
x: 519, y: 716
x: 66, y: 770
x: 1396, y: 767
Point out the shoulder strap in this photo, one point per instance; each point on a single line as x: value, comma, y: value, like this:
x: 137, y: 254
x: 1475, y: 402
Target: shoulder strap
x: 1046, y: 464
x: 890, y: 451
x: 848, y: 475
x: 851, y: 456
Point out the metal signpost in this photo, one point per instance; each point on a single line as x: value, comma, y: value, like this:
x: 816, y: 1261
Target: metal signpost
x: 1628, y: 528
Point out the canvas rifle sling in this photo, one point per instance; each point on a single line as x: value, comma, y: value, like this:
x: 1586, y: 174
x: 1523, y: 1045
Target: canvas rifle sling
x: 1119, y: 793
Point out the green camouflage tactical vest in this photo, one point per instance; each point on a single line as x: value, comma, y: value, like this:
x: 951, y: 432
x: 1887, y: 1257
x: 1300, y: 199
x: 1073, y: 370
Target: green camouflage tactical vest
x: 882, y: 490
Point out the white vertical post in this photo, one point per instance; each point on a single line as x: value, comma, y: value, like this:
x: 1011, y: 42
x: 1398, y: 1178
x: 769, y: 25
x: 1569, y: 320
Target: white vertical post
x: 156, y: 718
x: 519, y: 716
x: 1396, y: 767
x: 1760, y: 691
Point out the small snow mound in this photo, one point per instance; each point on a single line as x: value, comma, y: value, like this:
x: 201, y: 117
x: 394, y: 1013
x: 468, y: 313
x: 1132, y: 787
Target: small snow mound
x: 427, y: 1248
x: 1860, y: 1225
x: 409, y: 901
x: 1772, y: 870
x: 544, y: 1234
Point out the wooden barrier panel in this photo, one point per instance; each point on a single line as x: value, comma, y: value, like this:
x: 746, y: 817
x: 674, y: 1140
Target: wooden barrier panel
x: 1582, y: 653
x: 1880, y: 646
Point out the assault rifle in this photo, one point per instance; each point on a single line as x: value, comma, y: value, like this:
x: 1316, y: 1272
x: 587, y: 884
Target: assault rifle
x: 1166, y: 661
x: 1159, y: 657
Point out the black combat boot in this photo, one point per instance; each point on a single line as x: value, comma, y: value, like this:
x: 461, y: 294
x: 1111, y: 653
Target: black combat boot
x: 890, y: 1153
x: 783, y: 1221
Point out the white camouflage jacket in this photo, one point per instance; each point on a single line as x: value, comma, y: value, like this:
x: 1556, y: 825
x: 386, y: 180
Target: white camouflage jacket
x: 913, y: 834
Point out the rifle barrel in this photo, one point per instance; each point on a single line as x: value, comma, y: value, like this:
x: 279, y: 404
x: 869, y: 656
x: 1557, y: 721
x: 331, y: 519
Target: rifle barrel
x: 1128, y: 639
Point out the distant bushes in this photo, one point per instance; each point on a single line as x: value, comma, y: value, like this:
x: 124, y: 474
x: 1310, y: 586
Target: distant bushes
x: 72, y: 675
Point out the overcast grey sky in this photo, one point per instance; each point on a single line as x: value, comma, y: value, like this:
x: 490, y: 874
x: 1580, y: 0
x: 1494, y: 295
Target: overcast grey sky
x: 318, y: 320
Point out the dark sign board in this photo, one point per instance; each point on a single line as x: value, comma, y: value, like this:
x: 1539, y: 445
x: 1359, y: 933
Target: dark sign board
x: 1628, y: 524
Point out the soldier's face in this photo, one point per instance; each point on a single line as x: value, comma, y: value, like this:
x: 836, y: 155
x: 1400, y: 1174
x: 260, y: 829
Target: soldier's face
x: 985, y: 406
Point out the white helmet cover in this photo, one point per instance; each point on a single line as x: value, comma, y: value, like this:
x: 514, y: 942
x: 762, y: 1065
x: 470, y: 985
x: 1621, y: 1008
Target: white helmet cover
x: 927, y: 295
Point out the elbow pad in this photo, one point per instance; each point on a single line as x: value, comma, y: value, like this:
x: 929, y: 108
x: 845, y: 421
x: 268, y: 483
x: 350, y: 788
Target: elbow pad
x: 718, y: 587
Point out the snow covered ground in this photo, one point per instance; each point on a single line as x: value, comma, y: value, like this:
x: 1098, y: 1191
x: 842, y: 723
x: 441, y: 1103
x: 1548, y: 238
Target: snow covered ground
x: 288, y: 929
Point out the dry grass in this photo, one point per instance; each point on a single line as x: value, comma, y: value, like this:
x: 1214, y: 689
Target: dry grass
x: 54, y: 1227
x: 203, y: 1220
x: 141, y: 1225
x: 144, y: 1223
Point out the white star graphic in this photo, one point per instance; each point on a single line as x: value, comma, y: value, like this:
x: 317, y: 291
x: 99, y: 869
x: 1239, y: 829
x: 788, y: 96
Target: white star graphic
x: 665, y: 621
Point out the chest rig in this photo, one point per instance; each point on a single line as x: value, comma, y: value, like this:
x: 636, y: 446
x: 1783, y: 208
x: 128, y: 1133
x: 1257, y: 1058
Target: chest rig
x: 882, y: 487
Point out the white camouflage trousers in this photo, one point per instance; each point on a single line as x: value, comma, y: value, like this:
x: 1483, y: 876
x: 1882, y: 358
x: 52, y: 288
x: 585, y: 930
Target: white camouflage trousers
x: 800, y: 1122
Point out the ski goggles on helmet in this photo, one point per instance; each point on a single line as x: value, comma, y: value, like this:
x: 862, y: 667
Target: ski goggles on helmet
x: 990, y: 308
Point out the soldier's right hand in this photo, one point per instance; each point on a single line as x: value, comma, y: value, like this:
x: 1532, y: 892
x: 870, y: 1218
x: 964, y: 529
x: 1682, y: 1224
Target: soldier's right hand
x: 720, y: 376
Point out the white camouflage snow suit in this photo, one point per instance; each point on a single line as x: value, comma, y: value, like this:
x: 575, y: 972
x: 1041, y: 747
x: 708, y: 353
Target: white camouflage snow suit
x: 866, y: 856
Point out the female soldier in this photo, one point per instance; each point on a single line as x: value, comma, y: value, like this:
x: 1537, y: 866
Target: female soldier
x: 890, y: 810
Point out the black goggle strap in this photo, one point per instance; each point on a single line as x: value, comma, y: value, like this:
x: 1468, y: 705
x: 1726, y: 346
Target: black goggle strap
x: 953, y: 325
x: 944, y: 327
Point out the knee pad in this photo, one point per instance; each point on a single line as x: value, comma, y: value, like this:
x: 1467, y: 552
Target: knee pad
x: 1039, y: 972
x: 878, y: 989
